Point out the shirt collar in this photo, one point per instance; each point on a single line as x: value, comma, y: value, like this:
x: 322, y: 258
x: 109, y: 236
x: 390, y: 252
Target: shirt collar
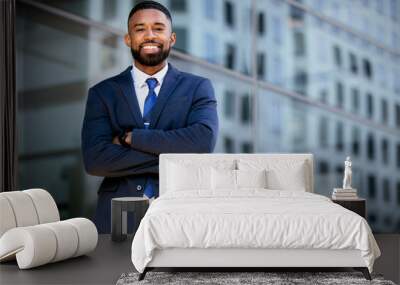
x: 139, y: 77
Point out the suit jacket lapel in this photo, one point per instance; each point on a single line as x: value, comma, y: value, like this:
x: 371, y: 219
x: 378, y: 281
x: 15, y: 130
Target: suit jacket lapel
x: 125, y: 81
x: 169, y: 84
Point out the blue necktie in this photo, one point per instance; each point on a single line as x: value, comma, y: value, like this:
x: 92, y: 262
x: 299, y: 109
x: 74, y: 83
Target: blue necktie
x: 149, y: 103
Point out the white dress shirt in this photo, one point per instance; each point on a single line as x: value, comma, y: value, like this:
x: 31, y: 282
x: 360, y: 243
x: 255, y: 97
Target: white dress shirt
x: 141, y: 87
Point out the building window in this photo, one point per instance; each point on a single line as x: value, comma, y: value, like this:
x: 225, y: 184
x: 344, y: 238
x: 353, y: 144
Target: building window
x: 384, y: 111
x: 260, y: 65
x: 245, y: 114
x: 229, y: 14
x: 210, y: 47
x: 355, y: 145
x: 299, y: 132
x: 398, y: 193
x: 371, y: 186
x: 108, y: 58
x: 339, y: 136
x: 393, y: 10
x: 337, y: 56
x: 228, y: 145
x: 323, y: 167
x: 209, y: 9
x: 396, y: 82
x: 178, y: 5
x: 261, y: 23
x: 355, y: 99
x: 230, y: 56
x: 370, y: 147
x: 398, y: 155
x: 299, y: 43
x: 229, y: 104
x: 353, y: 63
x: 277, y: 30
x: 339, y: 95
x: 323, y: 132
x: 296, y: 13
x: 385, y: 151
x: 300, y: 82
x: 395, y: 40
x: 277, y: 75
x: 247, y: 147
x: 367, y: 68
x: 181, y: 39
x: 109, y: 10
x: 397, y: 115
x: 381, y: 74
x: 370, y: 106
x: 339, y: 170
x: 372, y: 218
x: 379, y: 6
x: 386, y: 190
x: 323, y: 96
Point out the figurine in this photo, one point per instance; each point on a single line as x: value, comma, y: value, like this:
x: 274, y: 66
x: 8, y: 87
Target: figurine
x: 347, y: 174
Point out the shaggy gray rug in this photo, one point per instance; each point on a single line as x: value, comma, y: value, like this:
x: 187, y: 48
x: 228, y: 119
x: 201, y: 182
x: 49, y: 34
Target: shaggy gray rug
x: 242, y: 278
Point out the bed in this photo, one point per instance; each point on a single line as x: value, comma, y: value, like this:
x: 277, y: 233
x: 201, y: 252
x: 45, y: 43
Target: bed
x: 247, y: 210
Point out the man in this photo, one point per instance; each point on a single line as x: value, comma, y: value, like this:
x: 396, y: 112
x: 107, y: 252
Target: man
x: 148, y: 109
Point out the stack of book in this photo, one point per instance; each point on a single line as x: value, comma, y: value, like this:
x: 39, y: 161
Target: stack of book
x: 344, y: 194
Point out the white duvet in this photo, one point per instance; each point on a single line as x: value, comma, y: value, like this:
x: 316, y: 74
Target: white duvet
x: 250, y: 219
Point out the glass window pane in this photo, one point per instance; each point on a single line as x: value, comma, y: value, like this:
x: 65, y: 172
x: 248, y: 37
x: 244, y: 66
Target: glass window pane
x: 182, y: 40
x: 178, y: 5
x: 314, y: 87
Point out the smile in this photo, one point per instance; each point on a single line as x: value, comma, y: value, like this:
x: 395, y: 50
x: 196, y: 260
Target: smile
x: 150, y: 47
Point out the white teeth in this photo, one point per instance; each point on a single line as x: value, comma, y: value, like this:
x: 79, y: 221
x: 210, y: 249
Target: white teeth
x: 150, y: 47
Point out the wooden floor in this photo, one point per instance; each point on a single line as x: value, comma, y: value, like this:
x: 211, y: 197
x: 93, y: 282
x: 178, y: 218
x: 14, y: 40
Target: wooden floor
x: 106, y: 264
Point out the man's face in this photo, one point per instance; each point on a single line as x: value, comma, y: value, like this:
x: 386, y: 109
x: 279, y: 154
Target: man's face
x: 150, y: 37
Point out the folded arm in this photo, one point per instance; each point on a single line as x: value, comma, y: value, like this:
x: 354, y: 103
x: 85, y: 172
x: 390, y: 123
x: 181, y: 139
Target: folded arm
x: 103, y: 158
x: 198, y: 137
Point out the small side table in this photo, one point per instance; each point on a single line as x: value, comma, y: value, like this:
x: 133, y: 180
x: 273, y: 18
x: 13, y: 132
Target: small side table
x: 358, y: 206
x: 119, y: 209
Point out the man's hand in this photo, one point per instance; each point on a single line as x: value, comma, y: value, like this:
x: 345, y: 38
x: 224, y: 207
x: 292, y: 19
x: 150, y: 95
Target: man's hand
x: 116, y: 140
x: 128, y: 139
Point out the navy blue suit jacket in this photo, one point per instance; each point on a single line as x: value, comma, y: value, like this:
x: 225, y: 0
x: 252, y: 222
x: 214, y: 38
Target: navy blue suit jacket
x: 184, y: 120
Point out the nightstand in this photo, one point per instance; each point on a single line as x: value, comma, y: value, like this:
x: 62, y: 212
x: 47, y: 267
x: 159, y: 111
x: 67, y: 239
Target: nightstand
x: 119, y: 208
x: 358, y: 205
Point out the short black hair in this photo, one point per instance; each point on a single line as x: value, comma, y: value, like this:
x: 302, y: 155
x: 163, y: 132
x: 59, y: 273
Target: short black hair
x: 147, y: 4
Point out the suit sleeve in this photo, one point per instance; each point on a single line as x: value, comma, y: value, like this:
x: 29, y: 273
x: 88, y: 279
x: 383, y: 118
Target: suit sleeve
x: 100, y: 156
x: 199, y: 136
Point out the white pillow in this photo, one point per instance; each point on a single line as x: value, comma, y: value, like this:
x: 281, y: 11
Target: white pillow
x: 251, y: 178
x: 183, y: 177
x: 194, y: 174
x: 223, y: 179
x: 282, y: 174
x: 204, y: 161
x: 227, y: 179
x: 293, y: 180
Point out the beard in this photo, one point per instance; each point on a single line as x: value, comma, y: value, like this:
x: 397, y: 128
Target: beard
x: 150, y: 59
